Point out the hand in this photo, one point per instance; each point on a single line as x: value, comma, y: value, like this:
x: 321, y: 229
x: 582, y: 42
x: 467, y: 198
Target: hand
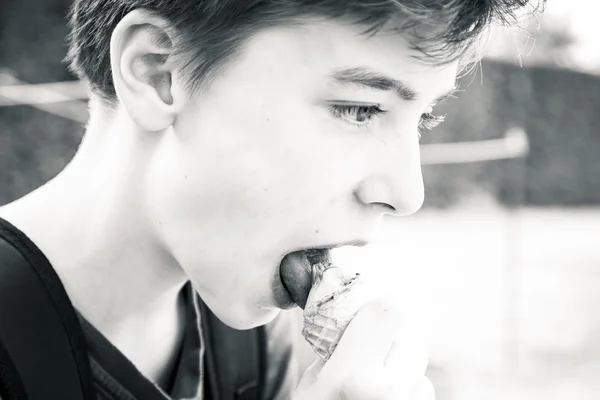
x: 376, y: 359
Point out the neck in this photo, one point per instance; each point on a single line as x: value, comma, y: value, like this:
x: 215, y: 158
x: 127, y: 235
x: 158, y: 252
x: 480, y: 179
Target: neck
x: 90, y: 223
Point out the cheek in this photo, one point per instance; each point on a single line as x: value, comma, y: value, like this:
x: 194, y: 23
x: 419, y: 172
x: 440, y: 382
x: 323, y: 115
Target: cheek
x: 266, y: 170
x: 271, y: 153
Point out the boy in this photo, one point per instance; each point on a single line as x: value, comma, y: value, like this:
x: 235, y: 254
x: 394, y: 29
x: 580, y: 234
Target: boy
x: 223, y: 136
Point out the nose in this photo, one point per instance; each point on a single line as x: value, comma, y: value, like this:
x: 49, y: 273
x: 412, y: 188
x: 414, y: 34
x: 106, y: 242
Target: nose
x: 395, y: 185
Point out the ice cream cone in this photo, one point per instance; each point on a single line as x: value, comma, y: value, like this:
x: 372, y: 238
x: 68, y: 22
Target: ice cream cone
x: 333, y: 301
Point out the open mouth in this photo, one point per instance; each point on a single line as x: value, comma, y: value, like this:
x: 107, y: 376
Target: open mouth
x: 295, y: 271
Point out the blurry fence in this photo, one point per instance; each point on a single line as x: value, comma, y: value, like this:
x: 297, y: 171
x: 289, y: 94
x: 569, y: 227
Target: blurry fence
x: 68, y: 101
x: 557, y: 109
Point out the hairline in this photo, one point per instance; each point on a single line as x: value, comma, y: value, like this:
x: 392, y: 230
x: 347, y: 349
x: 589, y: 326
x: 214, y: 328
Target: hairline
x: 196, y: 86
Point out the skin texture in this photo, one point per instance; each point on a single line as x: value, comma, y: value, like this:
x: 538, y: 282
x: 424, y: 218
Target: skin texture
x: 217, y: 187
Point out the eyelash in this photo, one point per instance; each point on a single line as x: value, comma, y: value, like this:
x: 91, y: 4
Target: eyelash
x: 430, y: 121
x: 345, y: 112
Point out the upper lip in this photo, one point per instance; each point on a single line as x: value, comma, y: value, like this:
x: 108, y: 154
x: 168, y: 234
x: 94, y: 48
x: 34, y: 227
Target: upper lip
x: 354, y: 243
x: 330, y: 246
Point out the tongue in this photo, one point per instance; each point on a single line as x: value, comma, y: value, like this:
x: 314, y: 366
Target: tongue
x: 296, y: 271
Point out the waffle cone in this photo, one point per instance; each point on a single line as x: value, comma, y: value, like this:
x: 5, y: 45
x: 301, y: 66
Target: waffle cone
x: 334, y: 300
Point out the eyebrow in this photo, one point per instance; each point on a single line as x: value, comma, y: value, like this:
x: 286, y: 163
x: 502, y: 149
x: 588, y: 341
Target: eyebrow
x: 374, y: 80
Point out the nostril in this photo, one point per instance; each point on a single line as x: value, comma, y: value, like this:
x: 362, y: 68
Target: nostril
x: 385, y: 206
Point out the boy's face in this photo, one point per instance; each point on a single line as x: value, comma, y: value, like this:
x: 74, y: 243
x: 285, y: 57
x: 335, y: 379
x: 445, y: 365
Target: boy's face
x: 287, y: 150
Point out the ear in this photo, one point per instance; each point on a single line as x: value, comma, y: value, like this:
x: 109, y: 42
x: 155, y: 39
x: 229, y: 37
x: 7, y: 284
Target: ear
x: 141, y: 52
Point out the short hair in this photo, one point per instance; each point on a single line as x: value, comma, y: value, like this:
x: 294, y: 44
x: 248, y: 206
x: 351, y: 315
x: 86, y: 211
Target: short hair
x: 212, y: 31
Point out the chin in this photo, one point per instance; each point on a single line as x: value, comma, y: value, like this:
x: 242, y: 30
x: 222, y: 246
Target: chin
x: 245, y: 318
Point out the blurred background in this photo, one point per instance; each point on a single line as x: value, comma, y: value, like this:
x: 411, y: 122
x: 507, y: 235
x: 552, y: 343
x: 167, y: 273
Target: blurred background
x: 500, y: 270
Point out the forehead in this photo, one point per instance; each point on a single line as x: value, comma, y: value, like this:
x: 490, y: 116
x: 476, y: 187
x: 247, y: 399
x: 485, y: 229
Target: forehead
x: 315, y: 50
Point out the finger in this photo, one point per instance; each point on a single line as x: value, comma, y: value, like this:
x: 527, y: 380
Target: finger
x: 367, y: 340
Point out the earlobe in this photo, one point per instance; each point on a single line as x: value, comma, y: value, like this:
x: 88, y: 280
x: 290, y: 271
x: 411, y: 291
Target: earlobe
x: 141, y: 54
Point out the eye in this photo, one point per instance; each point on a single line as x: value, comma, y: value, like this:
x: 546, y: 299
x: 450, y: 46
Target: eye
x: 359, y: 115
